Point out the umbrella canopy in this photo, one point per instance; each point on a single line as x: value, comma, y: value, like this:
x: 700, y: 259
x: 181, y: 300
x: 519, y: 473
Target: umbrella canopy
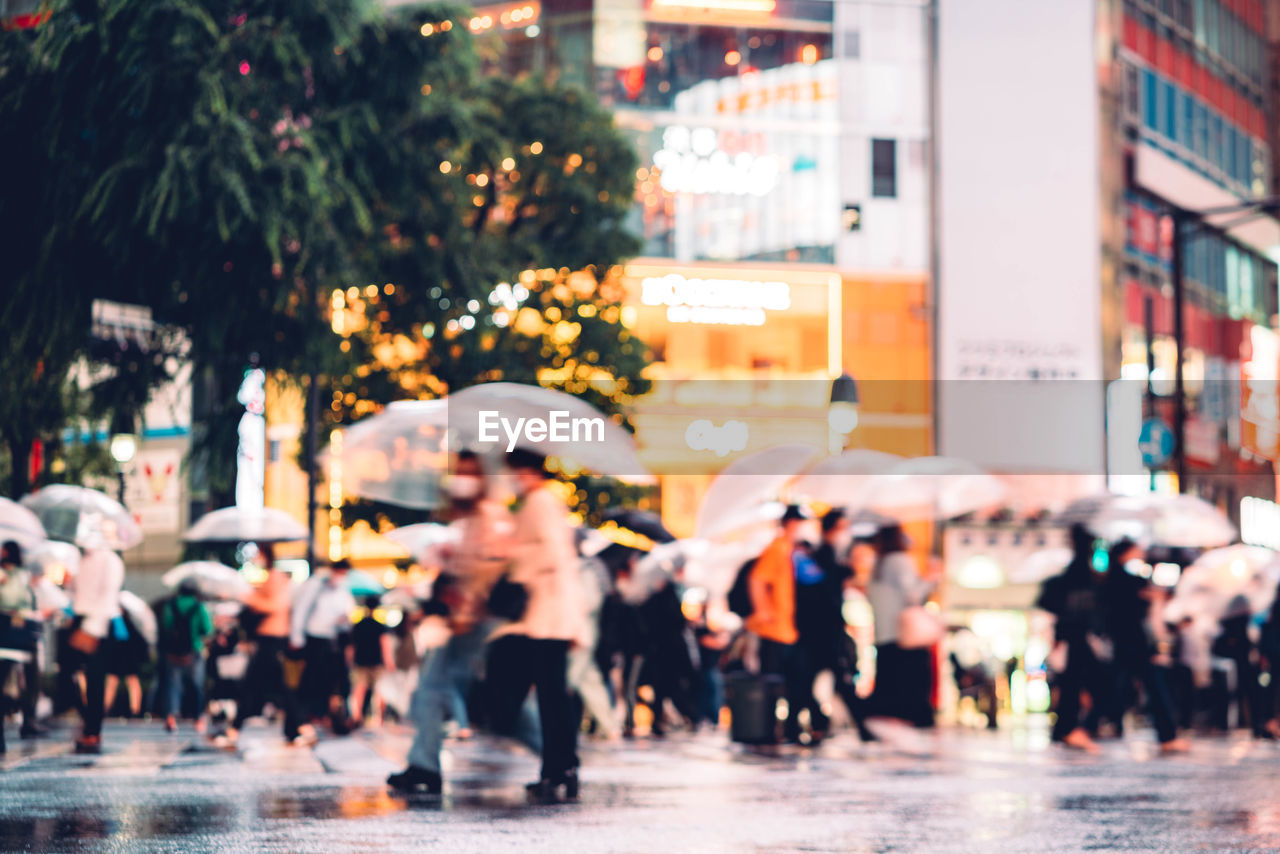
x: 55, y: 558
x: 420, y: 539
x: 244, y: 525
x: 932, y: 488
x: 399, y: 455
x: 86, y: 517
x: 715, y: 568
x: 361, y: 583
x: 215, y: 580
x: 642, y: 522
x: 748, y: 483
x: 841, y: 480
x: 1227, y: 581
x: 657, y: 567
x: 20, y: 524
x: 586, y: 436
x: 141, y: 615
x: 1170, y: 520
x: 1041, y: 565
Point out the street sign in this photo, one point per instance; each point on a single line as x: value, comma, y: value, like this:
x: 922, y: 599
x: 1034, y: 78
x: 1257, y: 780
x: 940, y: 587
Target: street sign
x: 1155, y: 442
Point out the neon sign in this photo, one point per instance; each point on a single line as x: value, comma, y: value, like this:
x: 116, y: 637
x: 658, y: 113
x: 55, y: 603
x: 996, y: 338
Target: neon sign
x: 729, y: 302
x: 691, y: 161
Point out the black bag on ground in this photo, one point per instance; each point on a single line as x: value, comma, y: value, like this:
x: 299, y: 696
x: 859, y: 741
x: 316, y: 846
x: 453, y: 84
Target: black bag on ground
x: 508, y: 599
x: 739, y: 598
x: 753, y: 703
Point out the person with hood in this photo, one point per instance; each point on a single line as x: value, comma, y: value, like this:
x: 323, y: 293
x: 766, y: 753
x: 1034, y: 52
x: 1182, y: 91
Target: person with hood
x: 185, y: 626
x: 1073, y: 597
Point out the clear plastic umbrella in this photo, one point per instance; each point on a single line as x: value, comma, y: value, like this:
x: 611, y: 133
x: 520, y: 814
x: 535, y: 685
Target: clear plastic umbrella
x: 215, y: 580
x: 1224, y: 579
x: 54, y: 558
x: 399, y: 455
x: 20, y: 524
x: 1041, y: 565
x: 932, y: 488
x: 141, y: 615
x: 841, y: 480
x: 1170, y: 520
x: 86, y: 517
x: 421, y: 540
x: 746, y: 485
x: 245, y: 525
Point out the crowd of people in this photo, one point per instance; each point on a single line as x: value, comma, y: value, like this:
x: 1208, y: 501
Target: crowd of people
x: 545, y: 642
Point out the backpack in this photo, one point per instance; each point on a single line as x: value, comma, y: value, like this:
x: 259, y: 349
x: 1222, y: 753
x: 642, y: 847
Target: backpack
x: 739, y: 599
x: 175, y: 637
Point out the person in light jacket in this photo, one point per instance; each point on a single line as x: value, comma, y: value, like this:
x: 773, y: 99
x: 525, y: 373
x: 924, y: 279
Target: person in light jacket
x: 904, y: 677
x: 534, y: 650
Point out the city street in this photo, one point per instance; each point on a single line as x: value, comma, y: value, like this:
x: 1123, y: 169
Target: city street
x: 974, y: 791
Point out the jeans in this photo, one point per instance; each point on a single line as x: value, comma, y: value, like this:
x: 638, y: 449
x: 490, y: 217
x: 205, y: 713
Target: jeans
x: 517, y: 663
x: 436, y: 691
x: 263, y: 680
x: 186, y: 674
x: 783, y: 659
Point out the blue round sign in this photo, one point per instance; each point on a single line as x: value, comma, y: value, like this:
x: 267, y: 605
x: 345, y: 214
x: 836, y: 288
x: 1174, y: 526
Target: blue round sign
x: 1155, y: 442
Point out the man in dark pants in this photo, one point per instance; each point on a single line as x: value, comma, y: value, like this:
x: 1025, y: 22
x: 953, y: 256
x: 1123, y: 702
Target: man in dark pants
x: 97, y: 602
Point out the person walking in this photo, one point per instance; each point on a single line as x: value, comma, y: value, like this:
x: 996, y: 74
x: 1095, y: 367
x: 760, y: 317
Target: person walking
x: 772, y: 586
x: 584, y: 675
x: 95, y: 603
x: 1127, y: 602
x: 185, y: 626
x: 669, y: 664
x: 1234, y: 644
x: 904, y: 677
x: 17, y: 602
x: 320, y: 625
x: 533, y: 650
x: 373, y: 649
x: 1073, y: 597
x: 474, y: 562
x: 824, y: 642
x: 127, y: 651
x: 266, y: 620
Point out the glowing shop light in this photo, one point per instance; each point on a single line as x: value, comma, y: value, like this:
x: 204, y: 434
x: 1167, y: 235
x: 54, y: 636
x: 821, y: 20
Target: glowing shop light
x: 690, y: 161
x: 729, y: 302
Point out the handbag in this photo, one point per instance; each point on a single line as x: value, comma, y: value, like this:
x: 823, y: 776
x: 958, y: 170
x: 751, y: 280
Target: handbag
x: 508, y: 599
x: 918, y: 628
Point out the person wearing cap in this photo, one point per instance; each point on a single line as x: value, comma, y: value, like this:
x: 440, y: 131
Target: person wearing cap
x: 773, y: 619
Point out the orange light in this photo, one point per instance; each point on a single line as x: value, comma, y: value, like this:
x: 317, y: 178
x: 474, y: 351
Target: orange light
x: 655, y: 53
x: 732, y: 58
x: 809, y: 54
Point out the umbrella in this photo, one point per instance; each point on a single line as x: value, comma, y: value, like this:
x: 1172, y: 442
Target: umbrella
x: 932, y: 488
x: 141, y: 615
x: 1170, y: 520
x: 20, y: 524
x: 839, y: 480
x: 748, y: 483
x: 576, y: 432
x: 215, y: 580
x: 361, y: 583
x: 642, y: 522
x: 1224, y: 579
x: 657, y: 567
x: 86, y: 517
x: 1041, y: 565
x: 54, y: 554
x: 246, y: 525
x: 398, y: 455
x: 418, y: 540
x: 715, y: 568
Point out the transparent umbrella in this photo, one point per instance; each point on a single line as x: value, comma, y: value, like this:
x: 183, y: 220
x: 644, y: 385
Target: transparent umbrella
x: 399, y: 455
x: 746, y: 485
x: 842, y: 480
x: 1169, y: 520
x: 421, y: 539
x: 86, y: 517
x: 1041, y: 565
x: 215, y: 580
x: 140, y: 614
x: 932, y: 488
x: 20, y: 524
x: 244, y: 525
x: 1227, y: 579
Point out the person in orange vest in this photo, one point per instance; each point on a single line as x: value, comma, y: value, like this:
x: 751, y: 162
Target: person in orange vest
x: 773, y: 618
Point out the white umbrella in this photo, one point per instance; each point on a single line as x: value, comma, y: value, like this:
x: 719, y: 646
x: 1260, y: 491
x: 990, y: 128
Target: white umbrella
x: 215, y: 580
x: 141, y: 615
x: 576, y: 432
x: 1041, y: 565
x: 841, y: 480
x: 52, y: 554
x: 1212, y: 585
x: 747, y: 484
x: 1170, y: 520
x: 398, y: 455
x: 20, y: 524
x: 716, y: 567
x: 86, y: 517
x: 244, y: 525
x: 421, y: 539
x: 932, y: 488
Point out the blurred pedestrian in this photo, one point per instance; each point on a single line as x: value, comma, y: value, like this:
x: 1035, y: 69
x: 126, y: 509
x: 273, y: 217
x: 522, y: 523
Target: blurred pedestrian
x: 1127, y: 599
x: 185, y: 626
x: 584, y: 675
x: 473, y: 565
x: 669, y: 663
x: 772, y: 586
x: 373, y: 652
x: 1074, y: 599
x: 320, y: 627
x: 17, y: 643
x: 824, y: 636
x: 1235, y: 645
x: 127, y: 653
x: 52, y: 603
x: 265, y: 619
x: 533, y: 650
x: 96, y: 602
x: 904, y: 676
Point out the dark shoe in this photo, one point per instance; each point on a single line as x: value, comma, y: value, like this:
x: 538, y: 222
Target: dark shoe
x: 570, y: 782
x: 32, y: 732
x: 542, y: 792
x: 91, y: 744
x: 414, y: 779
x: 866, y: 735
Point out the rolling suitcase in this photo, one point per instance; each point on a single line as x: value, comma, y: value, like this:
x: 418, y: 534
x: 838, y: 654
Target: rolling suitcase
x: 753, y: 703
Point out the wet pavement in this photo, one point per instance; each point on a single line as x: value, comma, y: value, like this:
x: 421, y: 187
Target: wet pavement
x: 961, y: 791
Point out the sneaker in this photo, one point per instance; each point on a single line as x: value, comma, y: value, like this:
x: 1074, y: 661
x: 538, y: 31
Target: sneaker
x: 415, y: 779
x: 91, y: 744
x: 1177, y: 745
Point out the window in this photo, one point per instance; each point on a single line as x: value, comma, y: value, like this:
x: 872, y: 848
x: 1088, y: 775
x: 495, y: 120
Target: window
x: 1229, y: 153
x: 884, y: 168
x: 1215, y: 142
x: 1168, y: 111
x: 1132, y: 94
x: 1199, y: 22
x: 1186, y: 136
x: 1199, y: 129
x: 1149, y: 99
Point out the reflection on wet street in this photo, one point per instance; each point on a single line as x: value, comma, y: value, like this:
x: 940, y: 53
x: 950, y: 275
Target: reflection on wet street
x: 965, y: 791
